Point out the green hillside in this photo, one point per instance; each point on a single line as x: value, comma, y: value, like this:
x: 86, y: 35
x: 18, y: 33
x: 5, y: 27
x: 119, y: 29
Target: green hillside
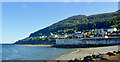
x: 81, y: 22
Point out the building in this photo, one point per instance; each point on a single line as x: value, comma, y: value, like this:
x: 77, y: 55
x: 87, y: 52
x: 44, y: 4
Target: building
x: 78, y: 32
x: 111, y: 30
x: 43, y: 37
x: 63, y: 36
x: 100, y: 30
x: 78, y: 35
x: 89, y: 41
x: 70, y: 35
x: 53, y: 36
x: 92, y: 30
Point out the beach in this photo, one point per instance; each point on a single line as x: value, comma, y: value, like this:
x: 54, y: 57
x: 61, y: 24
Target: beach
x: 82, y: 52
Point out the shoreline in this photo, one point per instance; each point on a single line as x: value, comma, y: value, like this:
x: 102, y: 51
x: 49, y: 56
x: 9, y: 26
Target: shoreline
x: 82, y: 52
x: 34, y: 45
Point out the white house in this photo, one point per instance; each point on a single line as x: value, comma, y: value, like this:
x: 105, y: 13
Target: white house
x: 92, y: 30
x: 63, y: 36
x: 78, y: 35
x: 111, y: 30
x: 43, y: 36
x: 53, y: 36
x: 78, y: 32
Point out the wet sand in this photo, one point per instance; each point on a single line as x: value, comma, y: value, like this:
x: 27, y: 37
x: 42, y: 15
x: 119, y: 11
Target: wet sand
x: 82, y: 52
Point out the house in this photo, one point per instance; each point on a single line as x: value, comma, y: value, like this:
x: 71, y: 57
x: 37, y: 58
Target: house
x: 78, y: 32
x: 53, y: 36
x: 70, y: 35
x: 95, y: 33
x: 43, y: 36
x: 78, y: 35
x: 92, y: 30
x: 63, y: 36
x: 100, y: 29
x: 111, y: 30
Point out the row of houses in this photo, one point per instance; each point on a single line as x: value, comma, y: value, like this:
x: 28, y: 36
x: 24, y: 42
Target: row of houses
x: 107, y: 30
x: 77, y: 34
x: 80, y: 34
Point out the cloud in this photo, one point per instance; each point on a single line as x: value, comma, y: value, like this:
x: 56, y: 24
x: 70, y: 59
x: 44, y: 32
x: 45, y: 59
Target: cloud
x: 60, y: 0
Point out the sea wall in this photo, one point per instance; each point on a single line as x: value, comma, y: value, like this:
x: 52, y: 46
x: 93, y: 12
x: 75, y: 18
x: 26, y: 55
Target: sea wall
x: 97, y: 41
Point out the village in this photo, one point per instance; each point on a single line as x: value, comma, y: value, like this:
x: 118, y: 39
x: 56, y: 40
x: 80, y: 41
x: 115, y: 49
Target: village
x: 112, y: 32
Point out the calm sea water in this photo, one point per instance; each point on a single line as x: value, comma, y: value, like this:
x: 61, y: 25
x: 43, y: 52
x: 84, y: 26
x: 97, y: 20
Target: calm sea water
x: 17, y: 52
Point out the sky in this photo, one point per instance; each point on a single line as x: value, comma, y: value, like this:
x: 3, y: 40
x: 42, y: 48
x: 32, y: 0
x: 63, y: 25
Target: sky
x: 20, y: 19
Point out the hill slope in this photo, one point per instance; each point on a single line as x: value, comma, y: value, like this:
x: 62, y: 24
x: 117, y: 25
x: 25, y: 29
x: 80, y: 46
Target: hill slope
x: 81, y: 22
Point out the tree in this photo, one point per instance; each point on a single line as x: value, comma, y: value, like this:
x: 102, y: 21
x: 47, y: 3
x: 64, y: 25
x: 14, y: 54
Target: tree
x: 75, y: 31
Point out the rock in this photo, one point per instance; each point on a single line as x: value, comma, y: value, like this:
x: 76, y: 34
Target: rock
x: 118, y: 52
x: 104, y: 59
x: 96, y: 56
x: 70, y: 61
x: 47, y: 61
x: 93, y: 56
x: 104, y: 55
x: 114, y: 51
x: 110, y: 54
x: 97, y: 59
x: 88, y: 58
x: 58, y: 61
x: 81, y: 58
x: 76, y: 60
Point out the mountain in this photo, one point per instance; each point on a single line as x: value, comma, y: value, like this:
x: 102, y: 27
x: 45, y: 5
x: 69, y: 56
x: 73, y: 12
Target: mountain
x: 73, y: 24
x: 81, y: 22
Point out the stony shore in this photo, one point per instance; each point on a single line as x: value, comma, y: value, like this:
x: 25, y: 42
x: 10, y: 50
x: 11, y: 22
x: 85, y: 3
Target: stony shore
x: 88, y: 53
x: 110, y: 56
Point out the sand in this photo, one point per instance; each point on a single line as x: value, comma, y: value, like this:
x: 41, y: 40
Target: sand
x: 82, y: 52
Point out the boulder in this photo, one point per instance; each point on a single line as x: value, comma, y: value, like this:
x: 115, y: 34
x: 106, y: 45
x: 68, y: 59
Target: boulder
x: 118, y: 52
x: 110, y: 54
x: 70, y: 61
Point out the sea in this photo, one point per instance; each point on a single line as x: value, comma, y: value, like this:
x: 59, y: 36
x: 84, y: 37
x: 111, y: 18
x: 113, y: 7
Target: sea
x: 18, y: 52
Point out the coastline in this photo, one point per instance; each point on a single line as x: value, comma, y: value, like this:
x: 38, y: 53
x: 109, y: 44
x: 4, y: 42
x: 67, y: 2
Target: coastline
x: 82, y: 52
x: 34, y: 45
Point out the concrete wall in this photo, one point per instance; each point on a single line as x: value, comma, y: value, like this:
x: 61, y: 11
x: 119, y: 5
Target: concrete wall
x: 87, y: 41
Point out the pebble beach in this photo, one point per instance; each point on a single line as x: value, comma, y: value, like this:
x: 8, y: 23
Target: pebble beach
x: 83, y: 52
